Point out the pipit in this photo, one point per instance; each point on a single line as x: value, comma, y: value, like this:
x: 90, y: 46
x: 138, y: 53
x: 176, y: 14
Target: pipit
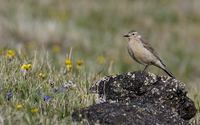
x: 142, y: 52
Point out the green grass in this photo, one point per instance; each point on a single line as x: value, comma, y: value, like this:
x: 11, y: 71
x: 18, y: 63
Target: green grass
x: 29, y: 90
x: 42, y: 33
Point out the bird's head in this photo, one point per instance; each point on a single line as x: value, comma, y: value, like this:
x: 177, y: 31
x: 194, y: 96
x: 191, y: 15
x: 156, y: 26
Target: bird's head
x: 132, y: 35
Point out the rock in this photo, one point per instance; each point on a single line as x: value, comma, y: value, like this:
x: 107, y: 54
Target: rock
x: 134, y: 114
x: 139, y: 98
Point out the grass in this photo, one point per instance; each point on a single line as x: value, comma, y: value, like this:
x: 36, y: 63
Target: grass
x: 38, y: 94
x: 41, y: 33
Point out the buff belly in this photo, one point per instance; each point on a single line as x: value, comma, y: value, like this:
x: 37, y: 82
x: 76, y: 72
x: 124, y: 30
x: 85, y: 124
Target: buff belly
x: 141, y: 54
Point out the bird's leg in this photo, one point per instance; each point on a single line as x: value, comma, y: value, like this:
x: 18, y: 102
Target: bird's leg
x: 145, y: 68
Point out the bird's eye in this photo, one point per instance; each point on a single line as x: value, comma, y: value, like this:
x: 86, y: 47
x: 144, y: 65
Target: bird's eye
x: 133, y: 34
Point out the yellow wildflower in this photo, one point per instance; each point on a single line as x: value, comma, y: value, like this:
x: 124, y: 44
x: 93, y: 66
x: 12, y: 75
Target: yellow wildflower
x: 19, y: 106
x: 79, y: 64
x: 84, y: 96
x: 41, y: 75
x: 10, y: 54
x: 68, y: 64
x: 26, y: 67
x: 34, y: 110
x: 69, y: 68
x: 56, y: 48
x: 101, y: 59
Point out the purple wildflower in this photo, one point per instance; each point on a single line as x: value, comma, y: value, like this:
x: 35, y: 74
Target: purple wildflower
x: 9, y: 95
x: 47, y: 98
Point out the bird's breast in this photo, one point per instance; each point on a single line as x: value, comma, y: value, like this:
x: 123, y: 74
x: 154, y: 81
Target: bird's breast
x: 141, y: 54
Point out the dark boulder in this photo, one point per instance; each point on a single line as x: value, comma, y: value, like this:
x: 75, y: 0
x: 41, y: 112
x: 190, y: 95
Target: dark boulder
x: 139, y: 98
x: 134, y: 114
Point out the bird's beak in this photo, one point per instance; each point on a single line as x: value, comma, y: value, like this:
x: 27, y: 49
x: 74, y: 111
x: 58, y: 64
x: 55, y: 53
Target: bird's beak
x: 125, y: 35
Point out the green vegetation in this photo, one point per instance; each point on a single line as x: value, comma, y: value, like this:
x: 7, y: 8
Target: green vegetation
x: 37, y: 62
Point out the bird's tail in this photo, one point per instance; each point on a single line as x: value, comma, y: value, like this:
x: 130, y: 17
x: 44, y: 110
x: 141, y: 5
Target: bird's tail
x: 164, y: 68
x: 168, y: 72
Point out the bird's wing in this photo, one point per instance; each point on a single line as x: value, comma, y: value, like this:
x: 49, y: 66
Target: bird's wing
x: 148, y: 47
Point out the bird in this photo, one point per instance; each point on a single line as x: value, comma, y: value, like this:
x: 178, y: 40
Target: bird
x: 142, y: 52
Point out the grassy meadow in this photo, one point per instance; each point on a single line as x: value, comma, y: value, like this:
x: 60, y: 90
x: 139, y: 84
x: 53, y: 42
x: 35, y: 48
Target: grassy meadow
x: 52, y: 51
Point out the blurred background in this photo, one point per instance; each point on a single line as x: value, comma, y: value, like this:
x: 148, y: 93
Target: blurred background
x: 94, y: 29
